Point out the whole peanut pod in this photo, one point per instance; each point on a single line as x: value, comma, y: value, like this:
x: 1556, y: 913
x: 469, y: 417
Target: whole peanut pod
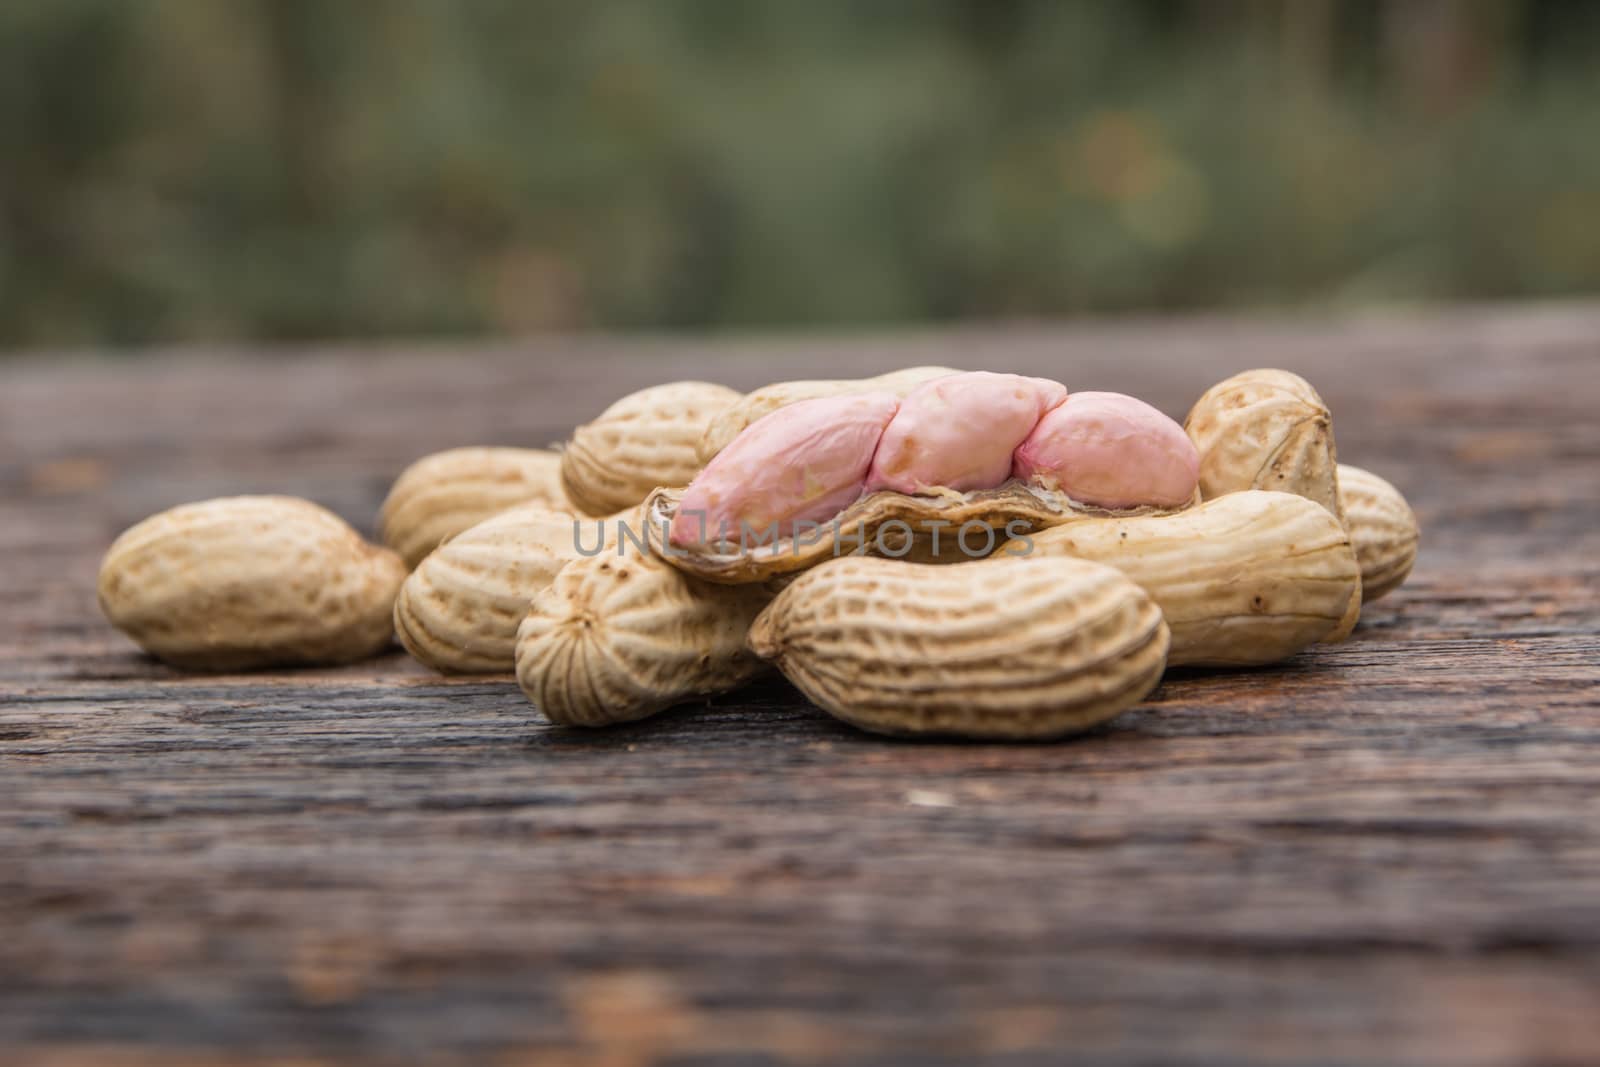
x: 1006, y: 648
x: 440, y: 495
x: 1265, y: 429
x: 1382, y: 528
x: 250, y: 581
x: 644, y: 441
x: 1246, y: 579
x: 731, y: 422
x: 459, y: 610
x: 620, y: 637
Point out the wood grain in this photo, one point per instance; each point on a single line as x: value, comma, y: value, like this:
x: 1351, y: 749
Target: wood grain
x: 1383, y: 851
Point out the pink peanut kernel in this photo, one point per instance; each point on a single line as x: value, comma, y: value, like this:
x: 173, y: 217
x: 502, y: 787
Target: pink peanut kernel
x: 803, y: 463
x: 1111, y: 451
x: 958, y: 432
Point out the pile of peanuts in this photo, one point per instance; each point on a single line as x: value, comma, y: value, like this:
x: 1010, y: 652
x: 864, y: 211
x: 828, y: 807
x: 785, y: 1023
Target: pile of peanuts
x: 928, y: 552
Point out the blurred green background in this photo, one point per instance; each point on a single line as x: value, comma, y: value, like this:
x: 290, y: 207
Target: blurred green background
x: 177, y: 170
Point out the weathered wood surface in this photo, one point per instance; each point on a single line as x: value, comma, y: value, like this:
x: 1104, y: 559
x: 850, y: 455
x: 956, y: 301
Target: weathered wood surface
x: 1387, y: 850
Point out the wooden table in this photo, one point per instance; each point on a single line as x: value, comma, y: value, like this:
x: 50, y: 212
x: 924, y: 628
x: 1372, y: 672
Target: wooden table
x: 1387, y: 850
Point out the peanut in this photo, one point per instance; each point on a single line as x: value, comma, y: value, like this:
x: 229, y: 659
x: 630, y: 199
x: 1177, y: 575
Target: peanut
x: 442, y: 494
x: 618, y: 638
x: 1110, y: 451
x: 958, y: 432
x: 459, y: 610
x: 1246, y: 579
x: 1382, y: 527
x: 733, y: 420
x: 1265, y: 429
x: 250, y: 581
x: 646, y: 440
x: 800, y: 465
x: 1008, y: 648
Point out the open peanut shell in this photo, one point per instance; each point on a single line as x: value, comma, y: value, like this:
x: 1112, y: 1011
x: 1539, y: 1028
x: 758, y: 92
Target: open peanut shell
x: 923, y: 529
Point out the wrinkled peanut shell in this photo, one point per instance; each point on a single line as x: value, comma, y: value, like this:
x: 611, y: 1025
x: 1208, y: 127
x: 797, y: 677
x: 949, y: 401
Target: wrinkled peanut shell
x: 1008, y: 649
x: 440, y: 495
x: 1382, y: 527
x: 645, y: 440
x: 459, y: 610
x: 1243, y: 580
x: 1265, y: 429
x: 246, y: 582
x: 617, y: 638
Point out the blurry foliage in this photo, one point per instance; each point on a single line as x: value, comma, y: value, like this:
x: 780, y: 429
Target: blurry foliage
x: 182, y: 169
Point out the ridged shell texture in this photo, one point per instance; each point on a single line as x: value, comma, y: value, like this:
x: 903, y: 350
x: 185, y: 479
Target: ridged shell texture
x: 460, y: 609
x: 441, y: 495
x: 1246, y: 579
x: 1009, y: 648
x: 644, y: 441
x: 617, y: 638
x: 1265, y: 429
x: 250, y: 581
x: 1383, y: 528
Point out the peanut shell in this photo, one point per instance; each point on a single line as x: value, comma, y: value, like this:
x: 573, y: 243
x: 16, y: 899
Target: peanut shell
x: 618, y: 638
x: 645, y: 440
x: 250, y: 581
x: 1265, y: 429
x: 459, y: 610
x: 1245, y: 579
x: 1005, y: 648
x: 732, y: 420
x: 928, y: 529
x: 1382, y: 527
x: 440, y: 495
